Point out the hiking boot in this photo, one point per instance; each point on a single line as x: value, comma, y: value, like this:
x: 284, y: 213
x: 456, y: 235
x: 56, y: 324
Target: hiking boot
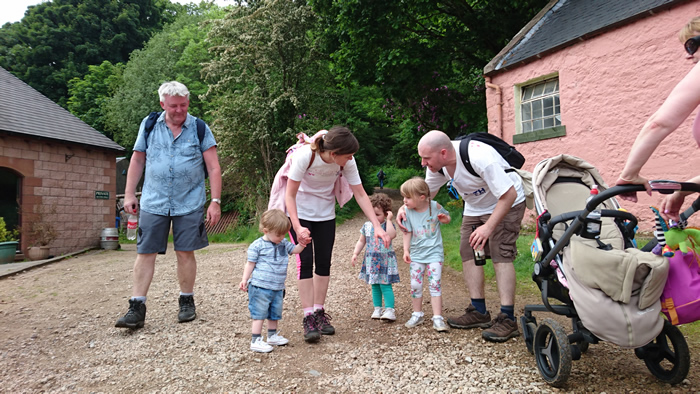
x: 415, y: 320
x: 389, y: 314
x: 134, y: 317
x: 311, y: 333
x: 277, y: 339
x: 323, y: 322
x: 439, y: 324
x: 260, y: 346
x: 377, y: 314
x: 502, y: 329
x: 471, y: 319
x: 187, y: 309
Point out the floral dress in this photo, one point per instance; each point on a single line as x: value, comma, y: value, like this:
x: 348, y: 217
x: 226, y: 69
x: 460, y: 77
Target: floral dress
x: 379, y: 266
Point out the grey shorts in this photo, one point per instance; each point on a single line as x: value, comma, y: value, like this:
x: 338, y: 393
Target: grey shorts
x: 188, y: 232
x: 501, y: 246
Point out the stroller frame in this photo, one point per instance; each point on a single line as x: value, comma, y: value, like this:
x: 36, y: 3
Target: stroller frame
x: 553, y: 348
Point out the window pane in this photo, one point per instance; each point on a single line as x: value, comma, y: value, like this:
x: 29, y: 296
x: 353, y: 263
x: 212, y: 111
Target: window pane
x: 525, y: 112
x: 536, y: 109
x: 557, y: 110
x: 556, y: 100
x: 527, y: 126
x: 549, y: 87
x: 537, y: 124
x: 547, y: 107
x: 548, y: 122
x: 537, y: 91
x: 557, y: 120
x: 527, y: 93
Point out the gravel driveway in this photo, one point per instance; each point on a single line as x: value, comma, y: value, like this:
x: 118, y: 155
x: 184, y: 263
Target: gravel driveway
x: 58, y: 335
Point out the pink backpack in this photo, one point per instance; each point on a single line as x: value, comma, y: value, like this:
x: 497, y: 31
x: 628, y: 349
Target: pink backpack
x: 680, y: 300
x: 341, y: 188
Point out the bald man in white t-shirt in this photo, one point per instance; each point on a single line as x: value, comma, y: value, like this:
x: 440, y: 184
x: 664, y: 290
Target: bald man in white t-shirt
x: 494, y: 202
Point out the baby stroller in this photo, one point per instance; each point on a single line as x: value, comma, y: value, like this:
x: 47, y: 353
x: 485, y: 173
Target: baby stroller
x: 588, y: 269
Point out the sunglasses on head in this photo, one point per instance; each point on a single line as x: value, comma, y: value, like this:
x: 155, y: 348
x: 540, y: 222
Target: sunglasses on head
x: 691, y: 46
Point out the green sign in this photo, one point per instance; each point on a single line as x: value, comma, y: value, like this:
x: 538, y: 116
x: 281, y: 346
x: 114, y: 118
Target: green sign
x: 101, y: 195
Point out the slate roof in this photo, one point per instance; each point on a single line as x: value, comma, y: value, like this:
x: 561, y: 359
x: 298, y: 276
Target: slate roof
x: 563, y: 22
x: 25, y: 111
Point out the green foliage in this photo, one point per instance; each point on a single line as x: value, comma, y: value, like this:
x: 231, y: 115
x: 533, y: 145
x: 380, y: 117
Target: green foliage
x: 172, y: 54
x: 7, y: 235
x: 89, y: 96
x: 56, y: 41
x: 266, y: 71
x: 395, y: 176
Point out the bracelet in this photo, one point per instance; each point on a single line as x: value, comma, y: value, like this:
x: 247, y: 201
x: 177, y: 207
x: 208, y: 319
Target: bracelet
x: 626, y: 180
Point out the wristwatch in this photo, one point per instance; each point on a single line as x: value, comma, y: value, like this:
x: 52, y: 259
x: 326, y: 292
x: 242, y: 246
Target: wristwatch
x: 216, y: 200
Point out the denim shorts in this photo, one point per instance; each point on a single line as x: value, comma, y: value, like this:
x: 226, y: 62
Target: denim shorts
x: 264, y: 303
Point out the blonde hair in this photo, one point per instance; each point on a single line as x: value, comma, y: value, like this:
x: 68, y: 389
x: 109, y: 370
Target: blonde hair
x: 275, y: 221
x: 690, y: 29
x: 338, y: 140
x: 416, y: 187
x: 381, y: 201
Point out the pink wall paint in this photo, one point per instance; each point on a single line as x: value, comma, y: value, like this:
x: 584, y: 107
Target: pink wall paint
x: 609, y: 86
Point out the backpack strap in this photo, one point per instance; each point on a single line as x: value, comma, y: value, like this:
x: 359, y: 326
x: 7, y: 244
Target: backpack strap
x: 201, y: 130
x: 464, y: 154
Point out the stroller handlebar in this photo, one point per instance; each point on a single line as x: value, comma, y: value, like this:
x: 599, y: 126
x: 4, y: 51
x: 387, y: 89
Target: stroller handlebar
x: 660, y: 186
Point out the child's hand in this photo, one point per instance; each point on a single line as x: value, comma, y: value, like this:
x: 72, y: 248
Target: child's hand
x: 243, y: 285
x: 407, y: 257
x: 354, y: 259
x: 389, y: 216
x: 442, y: 218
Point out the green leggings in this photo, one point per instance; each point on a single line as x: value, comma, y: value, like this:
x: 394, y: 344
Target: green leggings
x: 387, y: 291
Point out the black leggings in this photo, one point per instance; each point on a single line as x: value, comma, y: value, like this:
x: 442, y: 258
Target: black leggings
x: 322, y: 239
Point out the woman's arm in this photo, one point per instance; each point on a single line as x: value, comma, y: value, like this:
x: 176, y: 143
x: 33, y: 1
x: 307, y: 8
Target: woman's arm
x: 290, y: 201
x: 684, y: 98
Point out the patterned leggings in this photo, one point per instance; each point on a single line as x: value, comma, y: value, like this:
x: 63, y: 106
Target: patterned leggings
x: 434, y: 271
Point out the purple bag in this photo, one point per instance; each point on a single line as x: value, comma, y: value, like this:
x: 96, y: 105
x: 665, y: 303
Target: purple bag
x: 680, y: 300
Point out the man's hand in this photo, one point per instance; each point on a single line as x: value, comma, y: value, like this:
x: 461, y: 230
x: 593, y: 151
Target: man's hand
x: 479, y: 236
x: 400, y: 217
x: 131, y: 204
x: 213, y: 214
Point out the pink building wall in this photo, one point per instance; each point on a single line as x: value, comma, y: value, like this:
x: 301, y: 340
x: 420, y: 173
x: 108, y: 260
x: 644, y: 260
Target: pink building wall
x: 609, y: 86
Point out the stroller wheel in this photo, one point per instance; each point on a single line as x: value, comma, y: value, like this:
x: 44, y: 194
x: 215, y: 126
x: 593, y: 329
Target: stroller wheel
x: 529, y: 327
x: 552, y: 352
x: 668, y: 356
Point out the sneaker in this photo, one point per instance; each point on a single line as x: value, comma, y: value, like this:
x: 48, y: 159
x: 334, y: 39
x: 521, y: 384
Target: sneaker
x: 377, y: 314
x: 389, y: 314
x: 323, y: 321
x: 187, y: 309
x: 277, y: 339
x: 415, y: 320
x: 311, y: 333
x: 471, y: 319
x: 134, y: 317
x: 439, y: 324
x: 502, y: 329
x: 260, y: 346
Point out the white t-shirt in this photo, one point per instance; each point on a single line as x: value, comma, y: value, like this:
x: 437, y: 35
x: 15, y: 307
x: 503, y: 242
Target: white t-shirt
x: 315, y: 198
x: 479, y: 194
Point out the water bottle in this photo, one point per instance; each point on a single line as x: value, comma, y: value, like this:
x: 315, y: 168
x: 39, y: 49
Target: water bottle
x: 131, y: 224
x: 479, y: 254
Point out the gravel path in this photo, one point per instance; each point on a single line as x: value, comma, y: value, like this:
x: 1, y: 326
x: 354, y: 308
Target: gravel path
x: 58, y: 335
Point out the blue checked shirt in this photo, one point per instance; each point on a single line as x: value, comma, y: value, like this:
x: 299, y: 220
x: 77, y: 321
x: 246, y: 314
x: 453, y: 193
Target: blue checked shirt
x: 174, y: 180
x: 270, y: 260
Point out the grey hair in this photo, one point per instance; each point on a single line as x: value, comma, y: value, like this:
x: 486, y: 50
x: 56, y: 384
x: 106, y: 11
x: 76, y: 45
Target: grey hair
x: 173, y: 88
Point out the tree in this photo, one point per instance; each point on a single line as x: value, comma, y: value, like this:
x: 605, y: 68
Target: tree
x: 427, y: 56
x: 176, y: 53
x: 56, y: 41
x: 90, y: 95
x: 267, y: 71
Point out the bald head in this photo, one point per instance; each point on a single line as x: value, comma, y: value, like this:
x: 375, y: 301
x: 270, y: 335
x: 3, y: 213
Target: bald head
x: 435, y: 140
x: 436, y: 150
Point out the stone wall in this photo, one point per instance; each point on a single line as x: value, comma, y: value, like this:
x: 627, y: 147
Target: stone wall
x: 64, y: 177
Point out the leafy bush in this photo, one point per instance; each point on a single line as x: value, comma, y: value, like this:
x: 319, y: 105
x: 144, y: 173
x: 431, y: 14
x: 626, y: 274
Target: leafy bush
x: 7, y: 235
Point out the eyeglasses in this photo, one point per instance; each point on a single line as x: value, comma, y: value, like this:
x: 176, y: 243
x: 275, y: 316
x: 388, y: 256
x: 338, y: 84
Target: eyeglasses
x: 452, y: 191
x: 691, y: 46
